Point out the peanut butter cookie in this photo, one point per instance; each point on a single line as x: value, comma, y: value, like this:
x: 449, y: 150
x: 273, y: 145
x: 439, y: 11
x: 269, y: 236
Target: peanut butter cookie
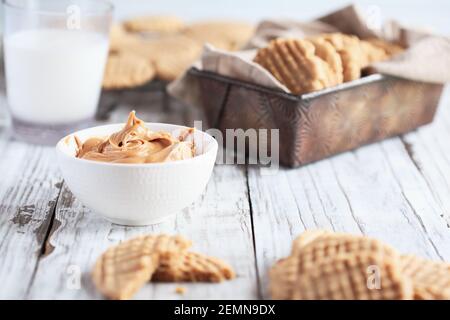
x: 329, y: 245
x: 154, y: 24
x: 346, y: 277
x: 326, y: 265
x: 124, y: 70
x: 193, y: 267
x: 283, y: 276
x: 350, y: 51
x: 329, y: 265
x: 116, y: 33
x: 431, y: 279
x: 391, y: 49
x: 371, y: 54
x: 226, y: 35
x: 124, y: 268
x: 295, y: 64
x: 307, y: 237
x: 171, y: 55
x: 329, y: 54
x: 121, y: 40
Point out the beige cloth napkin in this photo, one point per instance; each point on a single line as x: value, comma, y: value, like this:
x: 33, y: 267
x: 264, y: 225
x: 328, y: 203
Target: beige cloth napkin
x: 427, y: 58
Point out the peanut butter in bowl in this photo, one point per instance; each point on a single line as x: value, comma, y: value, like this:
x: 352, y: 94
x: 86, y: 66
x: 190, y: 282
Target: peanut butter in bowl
x: 134, y: 174
x: 136, y: 143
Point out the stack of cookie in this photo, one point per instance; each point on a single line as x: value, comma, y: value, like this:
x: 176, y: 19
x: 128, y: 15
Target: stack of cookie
x: 327, y: 265
x: 306, y: 65
x: 123, y: 269
x: 164, y: 47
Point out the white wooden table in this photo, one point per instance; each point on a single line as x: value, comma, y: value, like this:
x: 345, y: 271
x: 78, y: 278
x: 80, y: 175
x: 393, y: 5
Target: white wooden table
x: 397, y: 190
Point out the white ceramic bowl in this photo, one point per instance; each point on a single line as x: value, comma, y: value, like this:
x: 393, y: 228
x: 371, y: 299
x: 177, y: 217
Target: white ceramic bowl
x: 137, y: 194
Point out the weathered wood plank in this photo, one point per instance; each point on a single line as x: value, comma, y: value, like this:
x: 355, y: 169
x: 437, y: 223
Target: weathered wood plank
x: 29, y: 188
x: 218, y: 223
x: 379, y: 190
x: 74, y: 242
x: 392, y: 200
x: 430, y: 149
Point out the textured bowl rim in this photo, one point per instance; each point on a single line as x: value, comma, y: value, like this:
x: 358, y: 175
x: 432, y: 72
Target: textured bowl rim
x: 212, y: 149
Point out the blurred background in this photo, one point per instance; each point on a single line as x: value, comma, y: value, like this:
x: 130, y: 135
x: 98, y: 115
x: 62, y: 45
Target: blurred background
x: 432, y: 14
x: 175, y: 56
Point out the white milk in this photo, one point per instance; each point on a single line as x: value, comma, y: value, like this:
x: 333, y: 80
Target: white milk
x: 54, y: 76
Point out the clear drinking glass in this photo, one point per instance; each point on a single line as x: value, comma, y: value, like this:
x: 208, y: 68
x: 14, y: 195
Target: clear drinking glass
x: 55, y: 53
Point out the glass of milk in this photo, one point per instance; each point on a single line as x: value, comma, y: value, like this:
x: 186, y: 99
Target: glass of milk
x: 55, y: 54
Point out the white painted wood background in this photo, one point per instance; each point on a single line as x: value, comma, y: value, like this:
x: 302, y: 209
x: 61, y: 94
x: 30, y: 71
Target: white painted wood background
x: 397, y: 190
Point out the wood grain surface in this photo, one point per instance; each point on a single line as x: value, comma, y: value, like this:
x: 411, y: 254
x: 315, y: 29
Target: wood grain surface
x: 397, y: 190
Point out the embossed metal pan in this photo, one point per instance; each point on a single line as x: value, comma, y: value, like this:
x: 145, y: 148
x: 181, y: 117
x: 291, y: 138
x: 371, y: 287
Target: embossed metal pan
x: 317, y: 125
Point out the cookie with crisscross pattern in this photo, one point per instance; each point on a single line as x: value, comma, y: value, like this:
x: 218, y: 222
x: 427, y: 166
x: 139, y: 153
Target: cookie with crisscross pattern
x: 123, y: 269
x: 193, y: 267
x: 327, y: 265
x: 431, y: 279
x: 154, y: 24
x: 295, y: 63
x: 124, y: 70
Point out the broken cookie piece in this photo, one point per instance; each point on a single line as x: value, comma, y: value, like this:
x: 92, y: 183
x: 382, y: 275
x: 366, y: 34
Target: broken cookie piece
x: 193, y: 267
x: 124, y: 268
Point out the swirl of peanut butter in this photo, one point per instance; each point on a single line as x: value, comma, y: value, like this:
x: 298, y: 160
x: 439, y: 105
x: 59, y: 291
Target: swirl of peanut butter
x: 136, y: 144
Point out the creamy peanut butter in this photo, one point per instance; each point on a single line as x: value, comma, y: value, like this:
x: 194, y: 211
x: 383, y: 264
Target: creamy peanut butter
x: 137, y: 144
